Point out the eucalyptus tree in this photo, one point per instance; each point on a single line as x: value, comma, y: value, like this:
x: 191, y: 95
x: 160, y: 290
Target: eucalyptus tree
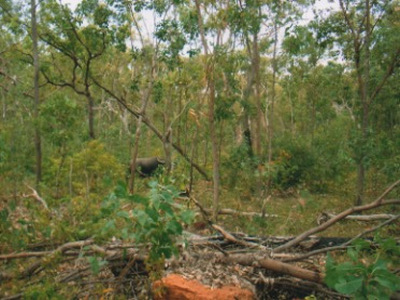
x: 35, y: 51
x: 19, y: 51
x: 79, y: 40
x: 364, y: 31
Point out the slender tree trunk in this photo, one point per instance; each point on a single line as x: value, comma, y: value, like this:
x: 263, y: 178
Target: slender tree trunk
x: 167, y: 136
x: 247, y: 134
x: 145, y: 101
x: 91, y: 116
x: 214, y: 145
x: 135, y: 154
x: 256, y: 67
x: 136, y: 147
x: 38, y: 144
x: 364, y: 73
x: 273, y: 94
x: 209, y: 68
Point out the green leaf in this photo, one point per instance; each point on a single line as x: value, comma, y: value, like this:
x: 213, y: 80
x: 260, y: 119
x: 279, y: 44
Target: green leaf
x: 387, y: 279
x: 141, y: 217
x: 120, y: 190
x: 174, y: 227
x: 123, y: 214
x: 109, y: 226
x: 187, y: 216
x: 96, y: 264
x: 152, y: 213
x: 138, y: 199
x: 166, y: 208
x: 353, y: 254
x: 349, y: 286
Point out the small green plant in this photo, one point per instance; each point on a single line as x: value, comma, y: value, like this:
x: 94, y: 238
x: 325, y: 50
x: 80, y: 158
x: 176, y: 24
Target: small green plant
x: 362, y: 277
x: 156, y: 221
x: 159, y: 221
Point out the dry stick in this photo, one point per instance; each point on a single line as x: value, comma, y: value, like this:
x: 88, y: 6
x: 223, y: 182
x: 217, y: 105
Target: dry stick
x: 342, y: 215
x: 344, y: 245
x: 36, y: 196
x: 228, y: 211
x: 62, y: 248
x: 276, y: 266
x: 373, y: 217
x: 232, y: 239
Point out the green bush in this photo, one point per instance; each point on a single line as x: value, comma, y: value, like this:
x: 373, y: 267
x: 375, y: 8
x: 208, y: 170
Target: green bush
x: 92, y: 170
x: 362, y: 278
x: 156, y: 220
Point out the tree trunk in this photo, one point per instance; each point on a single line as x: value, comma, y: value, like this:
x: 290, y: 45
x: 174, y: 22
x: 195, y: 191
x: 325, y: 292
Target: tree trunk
x: 257, y: 81
x: 209, y: 68
x: 364, y: 74
x: 145, y: 101
x: 273, y: 94
x: 38, y: 144
x: 91, y: 116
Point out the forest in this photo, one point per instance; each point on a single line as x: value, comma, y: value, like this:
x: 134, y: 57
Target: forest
x: 236, y: 144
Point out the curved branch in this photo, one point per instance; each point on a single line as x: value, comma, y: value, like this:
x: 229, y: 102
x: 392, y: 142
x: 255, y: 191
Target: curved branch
x: 378, y: 202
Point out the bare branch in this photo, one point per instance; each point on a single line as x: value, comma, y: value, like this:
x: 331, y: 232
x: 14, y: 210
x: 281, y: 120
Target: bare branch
x: 342, y: 215
x: 36, y: 196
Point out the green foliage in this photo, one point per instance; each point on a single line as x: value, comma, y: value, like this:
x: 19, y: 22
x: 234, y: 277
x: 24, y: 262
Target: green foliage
x: 293, y: 164
x: 158, y: 224
x: 362, y: 279
x: 59, y: 117
x: 239, y: 166
x: 92, y: 170
x: 156, y: 220
x: 43, y: 290
x: 96, y: 264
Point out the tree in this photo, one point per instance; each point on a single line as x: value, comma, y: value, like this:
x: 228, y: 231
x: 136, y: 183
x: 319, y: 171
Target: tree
x: 209, y: 73
x: 80, y: 45
x: 35, y: 52
x: 362, y: 20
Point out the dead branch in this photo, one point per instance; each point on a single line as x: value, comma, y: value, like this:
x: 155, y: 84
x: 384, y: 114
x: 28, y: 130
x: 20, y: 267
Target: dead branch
x: 228, y: 211
x: 232, y: 239
x: 378, y: 202
x: 60, y: 249
x: 36, y: 196
x: 274, y: 265
x: 344, y: 245
x: 373, y: 217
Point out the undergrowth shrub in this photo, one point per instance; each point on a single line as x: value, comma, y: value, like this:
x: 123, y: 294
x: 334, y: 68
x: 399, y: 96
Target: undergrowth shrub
x: 92, y: 170
x: 156, y: 220
x: 238, y: 170
x: 368, y: 271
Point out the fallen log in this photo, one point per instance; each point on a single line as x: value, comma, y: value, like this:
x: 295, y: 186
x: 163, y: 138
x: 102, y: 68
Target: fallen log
x: 275, y: 266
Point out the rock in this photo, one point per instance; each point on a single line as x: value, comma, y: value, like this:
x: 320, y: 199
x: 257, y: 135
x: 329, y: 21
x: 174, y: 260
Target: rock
x: 176, y: 287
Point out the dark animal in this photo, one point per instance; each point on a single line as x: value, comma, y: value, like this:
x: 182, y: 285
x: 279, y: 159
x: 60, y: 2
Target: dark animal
x: 147, y: 166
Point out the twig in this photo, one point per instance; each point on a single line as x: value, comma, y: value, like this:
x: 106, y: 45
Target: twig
x: 378, y: 202
x: 36, y: 196
x: 232, y: 239
x: 344, y: 245
x: 62, y: 249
